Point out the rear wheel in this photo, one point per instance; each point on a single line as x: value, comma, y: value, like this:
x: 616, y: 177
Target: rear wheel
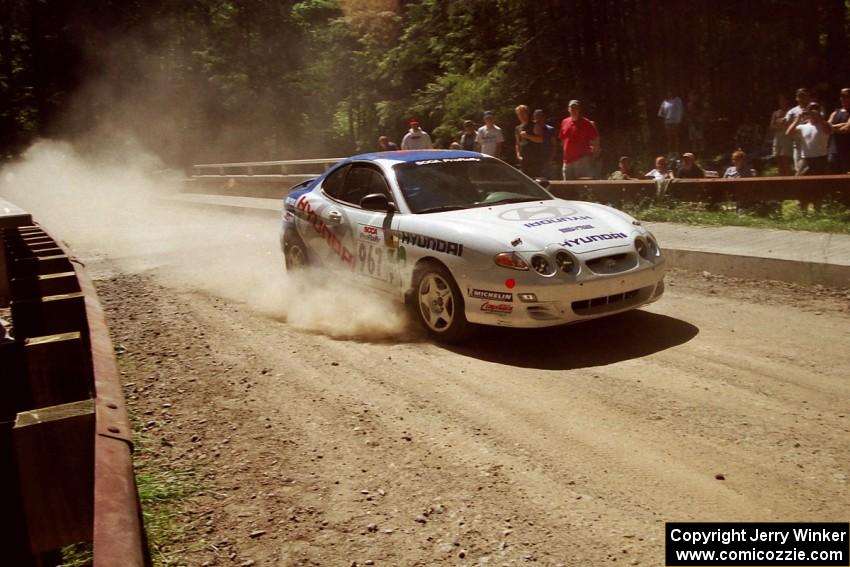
x: 294, y: 253
x: 438, y: 303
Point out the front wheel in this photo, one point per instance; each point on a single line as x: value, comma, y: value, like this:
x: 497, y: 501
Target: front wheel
x: 439, y: 304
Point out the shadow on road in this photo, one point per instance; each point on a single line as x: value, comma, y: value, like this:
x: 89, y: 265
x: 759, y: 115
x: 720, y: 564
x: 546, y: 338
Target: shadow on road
x: 596, y: 343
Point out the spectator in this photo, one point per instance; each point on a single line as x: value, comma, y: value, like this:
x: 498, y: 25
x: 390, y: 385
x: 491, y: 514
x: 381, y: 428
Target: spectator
x: 384, y: 145
x: 624, y: 170
x: 490, y: 138
x: 455, y: 146
x: 739, y: 167
x: 467, y: 139
x: 596, y: 157
x: 689, y: 168
x: 695, y: 117
x: 416, y: 138
x: 749, y: 138
x: 580, y: 139
x: 519, y: 142
x: 661, y: 171
x: 803, y: 99
x: 671, y: 112
x: 812, y: 134
x: 839, y: 151
x: 549, y: 146
x: 783, y: 144
x: 540, y: 146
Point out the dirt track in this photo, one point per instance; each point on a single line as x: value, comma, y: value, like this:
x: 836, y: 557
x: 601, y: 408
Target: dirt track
x: 726, y: 401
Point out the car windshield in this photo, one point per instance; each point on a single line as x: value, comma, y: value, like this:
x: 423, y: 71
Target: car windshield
x: 448, y: 184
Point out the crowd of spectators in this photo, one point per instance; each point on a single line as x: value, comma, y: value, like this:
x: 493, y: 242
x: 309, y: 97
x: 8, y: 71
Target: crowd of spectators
x: 799, y: 140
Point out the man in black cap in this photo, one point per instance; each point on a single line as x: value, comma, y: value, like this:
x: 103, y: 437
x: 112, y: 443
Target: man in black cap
x: 803, y: 99
x: 689, y: 168
x: 839, y: 151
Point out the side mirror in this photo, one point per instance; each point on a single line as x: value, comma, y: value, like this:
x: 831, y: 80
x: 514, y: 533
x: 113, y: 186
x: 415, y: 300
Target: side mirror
x: 377, y: 202
x: 542, y: 181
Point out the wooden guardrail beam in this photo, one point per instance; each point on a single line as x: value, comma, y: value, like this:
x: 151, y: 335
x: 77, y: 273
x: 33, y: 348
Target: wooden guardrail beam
x: 54, y: 447
x: 58, y: 369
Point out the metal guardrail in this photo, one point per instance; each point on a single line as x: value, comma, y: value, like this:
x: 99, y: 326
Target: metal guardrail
x: 244, y: 179
x: 268, y: 179
x: 285, y: 167
x: 65, y: 447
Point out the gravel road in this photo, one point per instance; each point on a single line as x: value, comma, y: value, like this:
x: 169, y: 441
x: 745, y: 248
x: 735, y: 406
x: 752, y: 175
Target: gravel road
x: 726, y: 401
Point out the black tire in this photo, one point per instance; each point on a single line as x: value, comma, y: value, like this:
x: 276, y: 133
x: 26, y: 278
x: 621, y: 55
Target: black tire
x: 294, y: 252
x: 438, y: 304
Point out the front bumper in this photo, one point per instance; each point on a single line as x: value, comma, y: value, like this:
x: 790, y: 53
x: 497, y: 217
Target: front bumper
x: 560, y: 300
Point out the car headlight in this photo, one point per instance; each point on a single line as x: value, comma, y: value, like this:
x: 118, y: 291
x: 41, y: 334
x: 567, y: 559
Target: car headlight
x: 542, y: 265
x: 566, y: 262
x: 653, y: 245
x: 642, y: 248
x: 511, y: 260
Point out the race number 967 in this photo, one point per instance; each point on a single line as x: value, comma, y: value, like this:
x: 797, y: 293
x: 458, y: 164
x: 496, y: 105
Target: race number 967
x: 371, y: 261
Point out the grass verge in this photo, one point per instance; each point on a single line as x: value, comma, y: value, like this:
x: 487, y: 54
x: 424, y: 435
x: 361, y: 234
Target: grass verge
x: 160, y: 492
x: 785, y: 215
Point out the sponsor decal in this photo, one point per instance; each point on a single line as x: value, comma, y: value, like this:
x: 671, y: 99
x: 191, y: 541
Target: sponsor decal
x: 557, y: 220
x: 538, y: 212
x: 430, y: 243
x: 574, y: 228
x: 496, y: 295
x: 570, y: 242
x: 499, y: 308
x: 445, y: 160
x: 306, y: 212
x: 369, y: 233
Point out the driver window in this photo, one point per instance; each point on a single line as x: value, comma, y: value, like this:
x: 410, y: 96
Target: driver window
x: 363, y: 180
x: 332, y: 185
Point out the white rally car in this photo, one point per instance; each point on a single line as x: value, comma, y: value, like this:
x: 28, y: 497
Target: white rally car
x: 465, y: 238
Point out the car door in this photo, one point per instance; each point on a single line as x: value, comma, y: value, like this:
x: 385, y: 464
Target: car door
x: 368, y: 234
x: 319, y: 222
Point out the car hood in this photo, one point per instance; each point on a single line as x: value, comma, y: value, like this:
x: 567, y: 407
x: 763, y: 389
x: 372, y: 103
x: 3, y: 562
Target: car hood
x: 575, y: 225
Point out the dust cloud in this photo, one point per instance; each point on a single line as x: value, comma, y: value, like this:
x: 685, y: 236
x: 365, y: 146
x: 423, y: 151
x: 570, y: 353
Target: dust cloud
x: 113, y: 210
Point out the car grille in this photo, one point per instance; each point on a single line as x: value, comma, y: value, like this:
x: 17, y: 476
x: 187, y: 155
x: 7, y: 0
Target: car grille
x: 609, y: 303
x: 542, y: 313
x: 612, y: 264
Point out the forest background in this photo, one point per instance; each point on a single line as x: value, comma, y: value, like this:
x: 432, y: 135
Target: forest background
x: 200, y: 81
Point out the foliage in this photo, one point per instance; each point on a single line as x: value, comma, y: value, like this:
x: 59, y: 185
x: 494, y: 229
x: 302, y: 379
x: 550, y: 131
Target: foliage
x: 220, y: 80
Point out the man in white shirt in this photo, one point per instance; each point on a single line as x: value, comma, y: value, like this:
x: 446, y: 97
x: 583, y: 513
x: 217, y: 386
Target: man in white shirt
x: 416, y: 138
x: 489, y: 139
x: 803, y: 99
x: 811, y: 133
x: 670, y: 112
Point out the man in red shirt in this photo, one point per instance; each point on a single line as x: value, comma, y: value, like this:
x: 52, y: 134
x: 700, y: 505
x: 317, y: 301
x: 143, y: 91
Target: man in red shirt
x: 580, y: 139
